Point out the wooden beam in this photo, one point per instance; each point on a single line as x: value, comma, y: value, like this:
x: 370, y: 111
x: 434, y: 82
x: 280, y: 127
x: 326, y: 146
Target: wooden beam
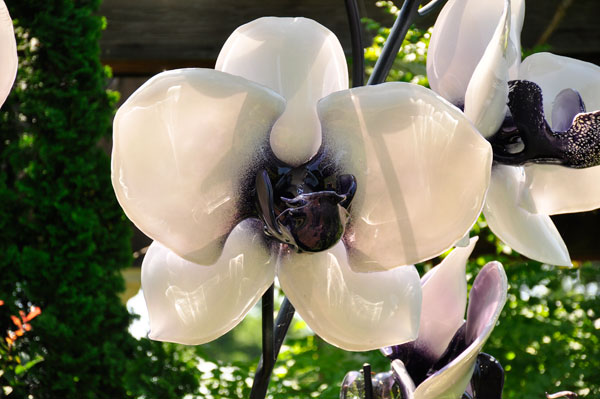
x: 144, y: 37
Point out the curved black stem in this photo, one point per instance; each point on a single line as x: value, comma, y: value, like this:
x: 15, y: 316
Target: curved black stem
x: 408, y: 13
x: 358, y: 53
x: 432, y: 5
x: 271, y: 341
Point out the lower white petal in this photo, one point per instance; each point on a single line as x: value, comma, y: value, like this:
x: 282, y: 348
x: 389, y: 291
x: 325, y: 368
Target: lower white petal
x: 422, y: 170
x: 532, y: 235
x: 8, y: 53
x: 486, y: 301
x: 444, y: 301
x: 556, y: 189
x: 351, y: 310
x: 193, y: 304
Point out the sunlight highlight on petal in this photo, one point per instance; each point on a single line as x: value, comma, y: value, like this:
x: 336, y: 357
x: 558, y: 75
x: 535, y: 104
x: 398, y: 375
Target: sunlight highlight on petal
x: 422, y: 170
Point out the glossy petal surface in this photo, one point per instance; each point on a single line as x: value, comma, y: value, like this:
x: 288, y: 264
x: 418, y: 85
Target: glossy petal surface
x: 517, y: 10
x: 444, y: 301
x: 486, y: 300
x: 460, y: 36
x: 487, y: 92
x: 299, y: 59
x: 553, y: 73
x: 185, y: 149
x: 422, y: 170
x: 192, y: 304
x: 354, y: 311
x: 532, y: 235
x: 8, y: 53
x: 556, y: 189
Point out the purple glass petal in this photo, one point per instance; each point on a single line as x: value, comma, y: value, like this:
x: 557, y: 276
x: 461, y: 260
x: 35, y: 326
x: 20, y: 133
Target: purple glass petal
x: 486, y: 300
x: 567, y: 104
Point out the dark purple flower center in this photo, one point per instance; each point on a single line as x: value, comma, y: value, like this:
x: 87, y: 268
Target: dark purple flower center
x: 526, y: 137
x: 304, y: 206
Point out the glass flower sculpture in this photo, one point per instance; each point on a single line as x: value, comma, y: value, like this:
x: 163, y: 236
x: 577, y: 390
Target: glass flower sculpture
x: 269, y: 166
x: 441, y: 362
x: 541, y: 166
x: 8, y: 53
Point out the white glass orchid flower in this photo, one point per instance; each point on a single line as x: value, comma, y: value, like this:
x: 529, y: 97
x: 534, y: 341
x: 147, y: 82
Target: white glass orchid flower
x: 441, y: 361
x: 8, y: 53
x: 474, y: 52
x: 241, y: 174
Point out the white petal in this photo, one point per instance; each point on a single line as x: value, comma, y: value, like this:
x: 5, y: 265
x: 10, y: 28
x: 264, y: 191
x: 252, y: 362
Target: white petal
x: 460, y: 36
x: 354, y: 311
x: 444, y: 301
x: 422, y: 170
x: 184, y: 148
x: 532, y: 235
x: 8, y: 53
x: 299, y: 59
x: 556, y: 189
x: 192, y: 304
x: 485, y: 304
x: 553, y: 73
x: 487, y: 92
x: 517, y: 8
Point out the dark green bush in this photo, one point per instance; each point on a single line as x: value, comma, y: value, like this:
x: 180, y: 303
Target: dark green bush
x: 63, y: 238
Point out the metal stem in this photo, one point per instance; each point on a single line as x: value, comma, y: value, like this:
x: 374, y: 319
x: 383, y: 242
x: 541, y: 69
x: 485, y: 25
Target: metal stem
x: 368, y: 381
x: 271, y: 341
x: 432, y: 5
x: 408, y: 13
x: 358, y: 53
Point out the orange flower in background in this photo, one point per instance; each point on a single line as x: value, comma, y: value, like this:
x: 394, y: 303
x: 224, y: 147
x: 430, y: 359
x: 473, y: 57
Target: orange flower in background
x: 22, y: 324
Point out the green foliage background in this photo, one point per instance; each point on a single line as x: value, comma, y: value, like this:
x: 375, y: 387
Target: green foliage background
x: 64, y: 240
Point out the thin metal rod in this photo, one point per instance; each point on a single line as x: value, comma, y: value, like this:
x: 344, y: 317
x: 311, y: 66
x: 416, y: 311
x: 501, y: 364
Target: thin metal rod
x: 272, y: 341
x: 368, y: 381
x: 408, y: 13
x: 432, y: 5
x: 358, y: 52
x: 267, y: 360
x: 282, y: 324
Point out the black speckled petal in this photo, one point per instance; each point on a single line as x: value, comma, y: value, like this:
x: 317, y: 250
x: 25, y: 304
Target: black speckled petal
x: 526, y: 136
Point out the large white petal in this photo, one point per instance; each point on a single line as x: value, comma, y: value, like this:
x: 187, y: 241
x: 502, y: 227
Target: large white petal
x: 185, y: 148
x: 460, y: 36
x: 422, y: 170
x: 444, y: 301
x: 351, y: 310
x: 192, y: 304
x: 299, y: 59
x: 556, y: 189
x: 487, y: 92
x: 8, y: 53
x: 553, y: 73
x: 486, y: 300
x: 532, y: 235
